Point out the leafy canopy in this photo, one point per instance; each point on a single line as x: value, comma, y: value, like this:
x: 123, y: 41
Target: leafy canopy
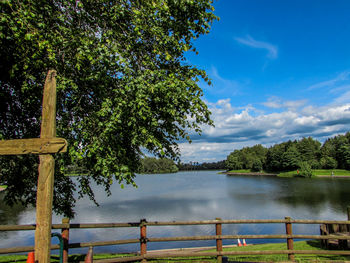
x: 123, y: 85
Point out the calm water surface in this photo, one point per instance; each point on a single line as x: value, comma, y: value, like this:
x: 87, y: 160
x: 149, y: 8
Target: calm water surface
x: 200, y: 195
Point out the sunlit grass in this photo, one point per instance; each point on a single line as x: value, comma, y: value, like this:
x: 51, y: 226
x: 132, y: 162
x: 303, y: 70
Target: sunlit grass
x: 300, y: 245
x: 318, y: 173
x: 336, y: 172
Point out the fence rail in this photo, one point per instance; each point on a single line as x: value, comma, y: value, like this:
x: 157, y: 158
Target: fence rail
x: 143, y: 240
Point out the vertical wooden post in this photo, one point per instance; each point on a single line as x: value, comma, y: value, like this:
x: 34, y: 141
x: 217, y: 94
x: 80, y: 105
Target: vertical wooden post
x: 348, y: 226
x: 89, y: 258
x: 46, y: 174
x: 218, y: 230
x: 65, y: 237
x: 143, y: 238
x: 289, y: 240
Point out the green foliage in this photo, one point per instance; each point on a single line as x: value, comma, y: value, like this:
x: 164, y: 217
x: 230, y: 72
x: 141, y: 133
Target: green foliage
x: 123, y: 85
x: 274, y: 157
x: 246, y: 157
x: 233, y: 161
x: 305, y: 169
x: 191, y: 166
x: 328, y: 162
x: 257, y: 166
x: 290, y: 158
x: 287, y: 156
x: 309, y: 149
x: 338, y: 148
x: 154, y: 165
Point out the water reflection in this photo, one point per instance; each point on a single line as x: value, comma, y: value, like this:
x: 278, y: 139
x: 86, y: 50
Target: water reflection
x: 196, y: 196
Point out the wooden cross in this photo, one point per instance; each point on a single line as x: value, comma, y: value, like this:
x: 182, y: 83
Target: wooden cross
x: 45, y: 146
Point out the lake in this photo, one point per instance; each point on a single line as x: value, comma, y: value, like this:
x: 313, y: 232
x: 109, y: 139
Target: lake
x: 197, y: 195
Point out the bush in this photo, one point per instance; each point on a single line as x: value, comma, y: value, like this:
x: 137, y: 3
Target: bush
x: 257, y: 166
x: 305, y: 169
x: 328, y: 162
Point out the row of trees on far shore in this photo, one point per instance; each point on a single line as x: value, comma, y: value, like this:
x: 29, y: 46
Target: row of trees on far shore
x: 195, y: 166
x: 165, y: 165
x: 306, y: 153
x: 155, y: 165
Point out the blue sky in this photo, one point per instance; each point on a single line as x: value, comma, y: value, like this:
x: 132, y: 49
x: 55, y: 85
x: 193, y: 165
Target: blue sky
x: 280, y: 71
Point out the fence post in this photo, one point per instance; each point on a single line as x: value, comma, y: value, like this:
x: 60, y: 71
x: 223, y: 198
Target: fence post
x: 289, y: 240
x: 143, y: 238
x: 348, y: 226
x: 65, y: 237
x: 218, y: 228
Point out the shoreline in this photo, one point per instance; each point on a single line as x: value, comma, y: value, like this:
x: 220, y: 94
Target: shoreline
x: 252, y: 174
x: 276, y: 175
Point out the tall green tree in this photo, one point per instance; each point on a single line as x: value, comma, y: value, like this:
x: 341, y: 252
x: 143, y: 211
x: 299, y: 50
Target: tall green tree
x: 309, y: 150
x: 123, y: 85
x: 274, y: 157
x: 291, y: 158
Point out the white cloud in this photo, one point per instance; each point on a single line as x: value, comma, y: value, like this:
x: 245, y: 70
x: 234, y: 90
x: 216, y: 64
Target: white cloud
x: 277, y: 103
x: 344, y: 76
x: 344, y: 98
x: 272, y: 51
x: 239, y: 127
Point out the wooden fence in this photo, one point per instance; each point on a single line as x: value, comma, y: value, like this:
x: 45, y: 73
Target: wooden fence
x: 143, y: 255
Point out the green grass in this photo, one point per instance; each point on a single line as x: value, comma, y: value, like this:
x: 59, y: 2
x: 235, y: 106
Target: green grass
x: 318, y: 173
x: 288, y: 174
x: 55, y: 258
x: 240, y: 171
x: 245, y: 171
x: 337, y: 172
x: 300, y: 245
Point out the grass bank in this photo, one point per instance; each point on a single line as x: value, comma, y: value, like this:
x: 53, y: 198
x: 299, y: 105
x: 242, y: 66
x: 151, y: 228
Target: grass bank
x: 248, y: 172
x: 301, y: 245
x: 319, y: 173
x: 315, y: 172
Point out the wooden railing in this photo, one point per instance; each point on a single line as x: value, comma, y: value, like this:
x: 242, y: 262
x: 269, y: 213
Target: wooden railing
x: 219, y: 237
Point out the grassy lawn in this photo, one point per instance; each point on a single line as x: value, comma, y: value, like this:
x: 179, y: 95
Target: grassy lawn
x: 300, y: 245
x: 337, y: 172
x: 240, y: 171
x: 55, y: 258
x: 288, y: 174
x: 318, y: 173
x: 245, y: 171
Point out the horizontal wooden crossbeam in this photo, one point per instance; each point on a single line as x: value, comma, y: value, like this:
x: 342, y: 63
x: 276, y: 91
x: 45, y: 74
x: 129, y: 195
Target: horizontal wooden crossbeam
x: 33, y: 146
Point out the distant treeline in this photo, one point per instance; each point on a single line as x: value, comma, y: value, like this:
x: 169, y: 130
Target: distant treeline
x: 192, y: 166
x: 154, y: 165
x: 334, y: 153
x: 164, y: 165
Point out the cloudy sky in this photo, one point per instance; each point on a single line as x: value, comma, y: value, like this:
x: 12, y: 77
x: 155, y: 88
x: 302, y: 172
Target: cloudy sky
x: 280, y: 71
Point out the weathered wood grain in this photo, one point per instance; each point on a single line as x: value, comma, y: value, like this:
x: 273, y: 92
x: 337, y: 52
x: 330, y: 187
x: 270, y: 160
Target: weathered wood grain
x: 33, y: 146
x: 44, y: 195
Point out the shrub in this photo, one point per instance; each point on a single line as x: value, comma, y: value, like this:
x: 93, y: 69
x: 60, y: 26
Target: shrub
x: 305, y: 169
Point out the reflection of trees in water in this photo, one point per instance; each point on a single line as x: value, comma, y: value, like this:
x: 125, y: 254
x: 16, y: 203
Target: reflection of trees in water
x: 316, y: 193
x: 9, y: 215
x: 312, y: 194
